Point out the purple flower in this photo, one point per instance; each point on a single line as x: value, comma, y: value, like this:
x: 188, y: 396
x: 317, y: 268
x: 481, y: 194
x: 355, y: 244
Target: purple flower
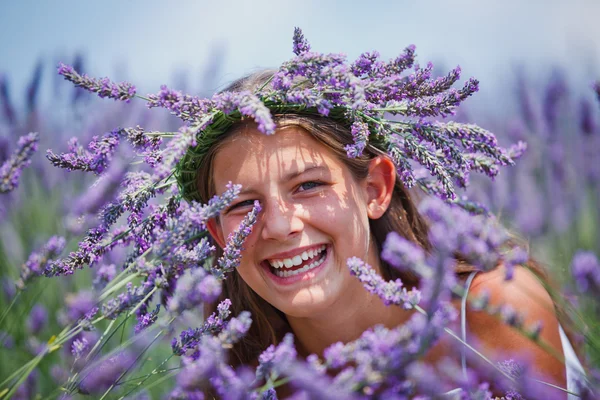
x: 103, y: 86
x: 276, y: 359
x: 189, y: 339
x: 360, y: 134
x: 402, y: 253
x: 392, y: 292
x: 201, y: 287
x: 7, y: 106
x: 104, y: 274
x: 96, y: 159
x: 38, y: 261
x: 236, y: 328
x: 105, y: 373
x: 146, y: 319
x: 10, y: 170
x: 247, y: 104
x: 586, y: 272
x: 186, y: 107
x: 77, y: 306
x: 90, y: 250
x: 300, y: 44
x: 232, y: 253
x: 126, y: 300
x: 38, y: 318
x: 79, y: 347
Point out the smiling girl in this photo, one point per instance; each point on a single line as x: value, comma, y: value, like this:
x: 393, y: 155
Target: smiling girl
x: 310, y: 144
x: 320, y: 208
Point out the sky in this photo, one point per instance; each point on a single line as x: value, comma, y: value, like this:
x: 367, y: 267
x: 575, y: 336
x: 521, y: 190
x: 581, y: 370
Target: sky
x: 151, y: 42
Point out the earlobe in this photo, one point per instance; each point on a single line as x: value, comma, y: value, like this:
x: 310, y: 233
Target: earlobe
x: 216, y: 232
x: 380, y: 186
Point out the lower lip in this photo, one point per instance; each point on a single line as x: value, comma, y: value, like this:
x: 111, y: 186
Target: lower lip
x: 304, y: 276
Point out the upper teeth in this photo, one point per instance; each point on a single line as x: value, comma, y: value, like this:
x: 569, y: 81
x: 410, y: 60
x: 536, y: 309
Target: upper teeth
x: 297, y: 260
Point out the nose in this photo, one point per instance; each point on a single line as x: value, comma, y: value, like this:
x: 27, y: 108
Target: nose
x: 281, y: 220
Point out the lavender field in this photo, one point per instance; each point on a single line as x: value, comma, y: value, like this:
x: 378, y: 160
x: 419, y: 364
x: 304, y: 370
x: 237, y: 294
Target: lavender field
x: 101, y: 258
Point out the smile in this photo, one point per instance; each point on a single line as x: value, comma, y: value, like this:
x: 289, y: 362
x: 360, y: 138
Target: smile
x: 297, y: 260
x: 298, y: 265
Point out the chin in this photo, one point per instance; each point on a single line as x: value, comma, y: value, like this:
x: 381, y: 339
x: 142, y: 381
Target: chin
x: 308, y: 302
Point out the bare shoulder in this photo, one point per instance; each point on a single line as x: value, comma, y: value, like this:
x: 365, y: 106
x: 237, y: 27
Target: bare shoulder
x: 526, y: 295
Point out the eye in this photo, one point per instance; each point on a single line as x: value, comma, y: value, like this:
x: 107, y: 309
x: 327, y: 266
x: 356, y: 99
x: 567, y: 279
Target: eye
x: 244, y: 203
x: 309, y: 185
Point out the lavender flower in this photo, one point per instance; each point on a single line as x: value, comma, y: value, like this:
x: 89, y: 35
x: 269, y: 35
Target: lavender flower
x: 102, y: 375
x: 38, y: 318
x: 96, y: 159
x: 10, y: 170
x: 392, y: 292
x: 360, y: 134
x: 104, y: 274
x: 77, y: 306
x: 300, y: 44
x: 37, y: 262
x: 146, y: 319
x: 190, y: 338
x: 236, y: 329
x: 103, y: 87
x: 186, y: 107
x: 247, y: 104
x: 275, y: 360
x: 90, y: 250
x: 232, y: 253
x: 597, y: 89
x: 7, y: 106
x: 127, y: 300
x: 586, y: 272
x: 79, y: 347
x: 202, y: 287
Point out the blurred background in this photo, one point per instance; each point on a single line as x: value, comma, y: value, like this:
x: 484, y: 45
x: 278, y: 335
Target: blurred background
x: 536, y: 62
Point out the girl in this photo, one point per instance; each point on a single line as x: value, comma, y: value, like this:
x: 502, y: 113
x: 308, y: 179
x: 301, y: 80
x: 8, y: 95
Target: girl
x: 319, y: 208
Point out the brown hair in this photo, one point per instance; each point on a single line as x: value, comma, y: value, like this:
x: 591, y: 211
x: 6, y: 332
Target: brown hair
x: 269, y: 324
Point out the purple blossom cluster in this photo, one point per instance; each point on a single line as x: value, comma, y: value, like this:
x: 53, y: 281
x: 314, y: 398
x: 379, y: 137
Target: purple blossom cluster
x: 585, y: 268
x: 232, y: 253
x: 38, y: 261
x: 169, y: 251
x: 96, y: 159
x: 363, y: 93
x: 190, y: 338
x: 104, y: 87
x: 11, y: 169
x: 202, y: 287
x: 209, y: 367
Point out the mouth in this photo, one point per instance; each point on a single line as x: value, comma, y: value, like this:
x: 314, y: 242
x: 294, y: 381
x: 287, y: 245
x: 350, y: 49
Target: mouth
x: 295, y: 267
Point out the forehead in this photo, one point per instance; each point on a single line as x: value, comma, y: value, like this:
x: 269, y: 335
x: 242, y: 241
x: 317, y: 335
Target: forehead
x: 250, y: 156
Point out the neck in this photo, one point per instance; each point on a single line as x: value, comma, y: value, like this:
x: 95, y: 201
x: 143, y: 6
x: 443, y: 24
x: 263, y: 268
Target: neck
x: 344, y: 322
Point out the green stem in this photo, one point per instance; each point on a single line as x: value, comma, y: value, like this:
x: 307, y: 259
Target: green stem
x: 142, y: 97
x: 7, y: 310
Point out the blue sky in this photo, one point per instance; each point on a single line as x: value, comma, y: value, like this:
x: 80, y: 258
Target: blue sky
x: 148, y: 42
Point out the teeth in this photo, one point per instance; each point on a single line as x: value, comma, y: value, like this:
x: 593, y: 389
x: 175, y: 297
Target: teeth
x: 285, y: 274
x: 297, y: 260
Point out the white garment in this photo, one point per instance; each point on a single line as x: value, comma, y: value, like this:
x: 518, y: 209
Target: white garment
x: 573, y: 366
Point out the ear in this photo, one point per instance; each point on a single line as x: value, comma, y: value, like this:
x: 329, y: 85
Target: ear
x: 216, y: 232
x: 380, y: 186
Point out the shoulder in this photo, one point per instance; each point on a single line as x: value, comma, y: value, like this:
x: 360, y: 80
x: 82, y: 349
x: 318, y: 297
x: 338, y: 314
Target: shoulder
x: 525, y: 295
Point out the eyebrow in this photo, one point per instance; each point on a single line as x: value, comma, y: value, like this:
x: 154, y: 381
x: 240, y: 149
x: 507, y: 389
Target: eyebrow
x: 291, y: 175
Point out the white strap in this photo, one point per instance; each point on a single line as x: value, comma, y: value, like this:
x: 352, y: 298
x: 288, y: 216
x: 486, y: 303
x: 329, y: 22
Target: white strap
x: 463, y: 322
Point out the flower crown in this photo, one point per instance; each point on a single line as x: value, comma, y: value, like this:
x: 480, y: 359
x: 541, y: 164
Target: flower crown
x: 390, y: 105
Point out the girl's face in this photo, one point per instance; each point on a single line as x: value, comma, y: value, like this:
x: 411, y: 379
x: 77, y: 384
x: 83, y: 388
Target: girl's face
x: 315, y: 216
